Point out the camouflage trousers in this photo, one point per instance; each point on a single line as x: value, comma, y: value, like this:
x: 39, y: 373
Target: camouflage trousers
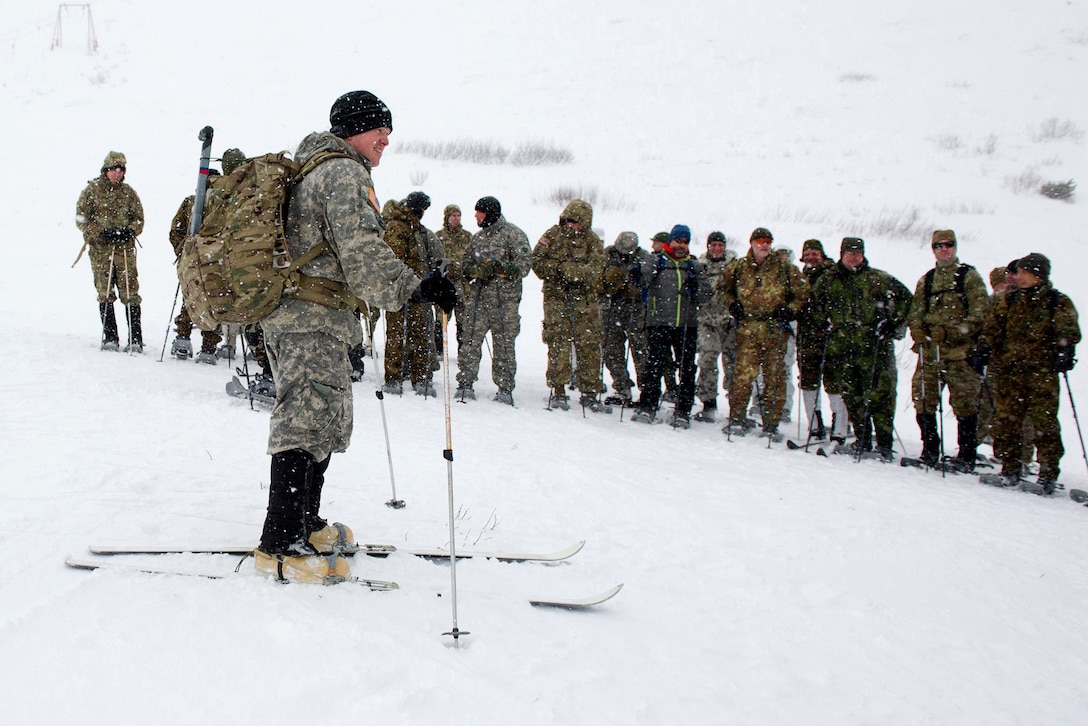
x: 115, y: 273
x: 716, y: 341
x: 573, y: 326
x: 867, y: 384
x: 409, y: 344
x: 623, y: 328
x: 810, y: 361
x: 963, y: 382
x: 314, y: 406
x: 209, y: 339
x: 986, y: 416
x: 761, y: 348
x: 1027, y: 397
x: 489, y: 310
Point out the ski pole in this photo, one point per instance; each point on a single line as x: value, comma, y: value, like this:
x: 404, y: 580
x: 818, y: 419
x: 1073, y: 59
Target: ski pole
x: 1072, y: 403
x: 393, y: 503
x: 940, y: 405
x: 172, y: 308
x: 128, y: 305
x: 447, y: 454
x: 109, y: 289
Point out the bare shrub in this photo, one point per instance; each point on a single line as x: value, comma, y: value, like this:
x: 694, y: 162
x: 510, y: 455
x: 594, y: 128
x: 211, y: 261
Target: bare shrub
x: 1059, y: 190
x: 476, y: 152
x: 1027, y: 181
x: 987, y: 147
x: 418, y: 177
x: 537, y: 153
x: 856, y: 78
x: 1054, y: 129
x: 947, y: 142
x: 903, y: 223
x: 961, y: 207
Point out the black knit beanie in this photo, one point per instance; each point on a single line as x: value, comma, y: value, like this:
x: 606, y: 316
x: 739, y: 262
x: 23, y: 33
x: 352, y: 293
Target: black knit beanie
x: 358, y: 112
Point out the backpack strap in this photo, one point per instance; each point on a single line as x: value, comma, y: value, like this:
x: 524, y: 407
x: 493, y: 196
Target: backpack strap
x: 959, y: 284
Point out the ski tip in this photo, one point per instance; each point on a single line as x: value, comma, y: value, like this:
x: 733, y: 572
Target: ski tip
x: 578, y: 603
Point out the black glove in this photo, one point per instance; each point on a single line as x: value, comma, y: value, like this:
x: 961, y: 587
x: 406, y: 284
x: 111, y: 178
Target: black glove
x: 736, y: 310
x: 691, y: 285
x: 117, y: 235
x: 1064, y: 360
x: 979, y: 358
x: 635, y: 274
x: 438, y: 290
x: 884, y: 328
x: 782, y: 315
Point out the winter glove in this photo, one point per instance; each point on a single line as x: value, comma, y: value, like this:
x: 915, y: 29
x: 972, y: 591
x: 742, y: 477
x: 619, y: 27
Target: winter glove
x: 117, y: 235
x: 507, y: 270
x: 884, y: 328
x: 482, y: 271
x: 691, y: 286
x: 935, y: 335
x: 979, y: 358
x: 782, y: 315
x: 1064, y: 360
x: 635, y: 275
x: 736, y: 310
x: 437, y: 289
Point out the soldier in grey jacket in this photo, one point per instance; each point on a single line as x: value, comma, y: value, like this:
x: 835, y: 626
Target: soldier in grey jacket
x: 308, y: 342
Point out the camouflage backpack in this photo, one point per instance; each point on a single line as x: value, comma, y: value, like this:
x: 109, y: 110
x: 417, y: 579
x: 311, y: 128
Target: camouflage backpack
x: 237, y: 266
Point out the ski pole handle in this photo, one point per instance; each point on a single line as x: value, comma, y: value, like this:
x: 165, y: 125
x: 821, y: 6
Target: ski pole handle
x: 205, y: 135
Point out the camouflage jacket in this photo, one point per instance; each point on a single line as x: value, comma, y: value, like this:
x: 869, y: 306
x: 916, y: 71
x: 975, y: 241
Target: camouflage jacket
x: 336, y: 203
x: 851, y: 303
x: 675, y: 288
x: 179, y: 226
x: 1025, y: 328
x: 810, y: 328
x: 454, y: 242
x: 761, y: 287
x: 712, y: 312
x: 570, y: 261
x: 616, y: 281
x: 412, y: 243
x: 959, y: 319
x: 497, y: 255
x: 104, y: 205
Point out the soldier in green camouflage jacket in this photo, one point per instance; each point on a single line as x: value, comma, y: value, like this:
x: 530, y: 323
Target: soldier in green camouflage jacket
x: 1030, y: 336
x: 569, y: 259
x: 410, y: 351
x: 493, y: 266
x: 111, y: 217
x: 763, y: 292
x: 811, y: 339
x: 865, y: 311
x: 950, y: 304
x: 623, y: 315
x: 308, y: 342
x: 454, y: 238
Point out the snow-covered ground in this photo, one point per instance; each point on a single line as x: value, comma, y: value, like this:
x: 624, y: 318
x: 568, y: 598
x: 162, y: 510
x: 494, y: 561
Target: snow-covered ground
x: 761, y: 586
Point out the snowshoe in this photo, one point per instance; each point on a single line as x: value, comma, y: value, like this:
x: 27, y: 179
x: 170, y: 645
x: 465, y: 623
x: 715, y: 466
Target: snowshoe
x: 678, y: 420
x: 465, y: 393
x: 425, y: 389
x: 135, y: 347
x: 206, y: 357
x: 619, y: 399
x: 504, y: 397
x: 181, y: 348
x: 225, y: 351
x: 772, y: 434
x: 644, y: 415
x: 394, y: 387
x: 709, y: 412
x: 1008, y: 480
x: 559, y: 399
x: 590, y: 403
x: 110, y: 345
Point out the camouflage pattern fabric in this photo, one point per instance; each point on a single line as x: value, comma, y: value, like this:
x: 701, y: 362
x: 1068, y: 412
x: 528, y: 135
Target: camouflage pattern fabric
x: 944, y: 336
x: 717, y: 335
x: 569, y: 262
x: 622, y: 317
x: 314, y: 406
x: 1024, y: 329
x: 104, y: 205
x: 336, y: 203
x: 409, y: 343
x: 495, y: 262
x: 860, y: 365
x: 761, y: 288
x: 455, y: 241
x: 179, y: 230
x: 811, y: 333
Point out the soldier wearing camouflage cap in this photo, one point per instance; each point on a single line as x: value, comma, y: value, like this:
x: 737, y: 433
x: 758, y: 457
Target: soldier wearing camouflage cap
x: 623, y: 315
x: 717, y: 339
x: 111, y: 217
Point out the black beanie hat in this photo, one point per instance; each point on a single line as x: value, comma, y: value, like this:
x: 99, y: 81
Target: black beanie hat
x: 715, y: 237
x: 1036, y: 264
x: 418, y: 202
x: 358, y: 112
x: 491, y: 208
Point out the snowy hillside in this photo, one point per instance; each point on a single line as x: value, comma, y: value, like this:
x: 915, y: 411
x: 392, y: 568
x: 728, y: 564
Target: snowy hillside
x: 760, y: 586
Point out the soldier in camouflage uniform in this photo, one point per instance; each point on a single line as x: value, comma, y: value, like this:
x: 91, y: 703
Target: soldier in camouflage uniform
x: 676, y: 285
x: 498, y: 257
x: 811, y: 339
x: 308, y: 342
x: 1031, y: 334
x: 182, y: 348
x: 717, y: 335
x: 111, y: 217
x: 569, y: 258
x: 409, y: 341
x: 950, y: 305
x: 454, y: 239
x: 623, y: 315
x: 763, y: 292
x: 866, y: 311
